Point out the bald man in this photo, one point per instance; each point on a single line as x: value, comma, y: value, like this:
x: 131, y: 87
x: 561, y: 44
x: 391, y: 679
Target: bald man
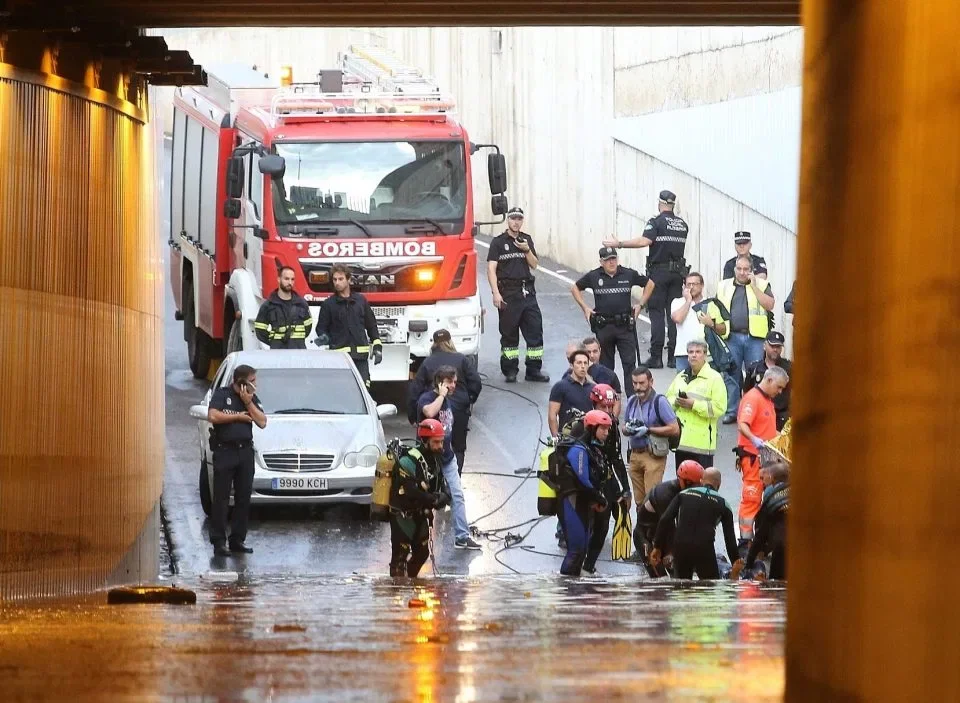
x: 697, y: 512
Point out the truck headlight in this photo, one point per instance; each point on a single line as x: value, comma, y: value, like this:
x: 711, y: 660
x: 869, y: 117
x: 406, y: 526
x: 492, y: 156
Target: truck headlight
x: 464, y: 323
x: 365, y: 458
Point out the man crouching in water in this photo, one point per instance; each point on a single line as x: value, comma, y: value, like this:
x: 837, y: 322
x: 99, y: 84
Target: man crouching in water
x: 416, y: 491
x: 579, y: 497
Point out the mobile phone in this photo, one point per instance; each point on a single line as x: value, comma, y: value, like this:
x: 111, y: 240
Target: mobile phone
x: 682, y: 394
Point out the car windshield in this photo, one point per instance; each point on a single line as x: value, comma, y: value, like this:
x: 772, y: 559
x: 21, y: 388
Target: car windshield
x: 310, y: 391
x: 383, y: 182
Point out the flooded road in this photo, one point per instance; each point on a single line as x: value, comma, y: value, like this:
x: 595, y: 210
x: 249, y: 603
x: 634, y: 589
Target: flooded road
x: 363, y: 638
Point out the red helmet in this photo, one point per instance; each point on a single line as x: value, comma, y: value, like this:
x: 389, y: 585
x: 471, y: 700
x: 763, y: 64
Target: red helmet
x: 603, y: 393
x: 690, y: 470
x: 597, y: 418
x: 430, y: 429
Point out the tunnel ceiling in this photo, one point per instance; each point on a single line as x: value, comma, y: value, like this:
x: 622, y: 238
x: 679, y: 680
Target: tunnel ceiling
x: 40, y: 14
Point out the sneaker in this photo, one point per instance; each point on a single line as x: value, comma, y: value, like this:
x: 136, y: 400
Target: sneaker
x: 467, y: 543
x: 537, y: 377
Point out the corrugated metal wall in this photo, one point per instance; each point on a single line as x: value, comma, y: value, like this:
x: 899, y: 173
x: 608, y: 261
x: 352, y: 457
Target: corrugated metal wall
x: 81, y: 354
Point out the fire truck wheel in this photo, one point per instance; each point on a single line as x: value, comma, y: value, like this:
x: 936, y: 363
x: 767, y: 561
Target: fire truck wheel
x: 206, y: 500
x: 198, y: 343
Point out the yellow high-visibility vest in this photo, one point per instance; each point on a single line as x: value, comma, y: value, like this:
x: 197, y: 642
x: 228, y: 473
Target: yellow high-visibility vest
x: 758, y: 321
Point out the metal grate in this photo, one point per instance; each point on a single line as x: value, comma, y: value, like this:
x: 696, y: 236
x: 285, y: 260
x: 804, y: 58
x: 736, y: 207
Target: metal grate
x: 299, y: 463
x: 388, y: 312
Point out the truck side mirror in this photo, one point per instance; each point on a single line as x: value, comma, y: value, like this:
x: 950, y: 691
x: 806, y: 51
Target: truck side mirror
x: 272, y: 165
x: 497, y: 173
x: 231, y: 209
x: 235, y: 177
x: 498, y: 205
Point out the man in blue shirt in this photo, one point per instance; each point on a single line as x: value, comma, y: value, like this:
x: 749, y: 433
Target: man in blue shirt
x: 435, y: 404
x: 648, y: 414
x: 570, y: 392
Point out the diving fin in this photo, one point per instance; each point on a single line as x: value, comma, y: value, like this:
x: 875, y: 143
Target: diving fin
x: 621, y: 544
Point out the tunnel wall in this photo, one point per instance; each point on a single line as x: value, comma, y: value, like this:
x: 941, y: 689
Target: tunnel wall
x: 81, y: 422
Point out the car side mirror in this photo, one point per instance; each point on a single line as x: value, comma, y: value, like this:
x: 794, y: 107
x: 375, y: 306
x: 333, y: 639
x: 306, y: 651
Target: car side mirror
x: 231, y: 209
x: 272, y: 165
x: 386, y: 410
x: 497, y: 173
x: 235, y: 177
x: 198, y: 412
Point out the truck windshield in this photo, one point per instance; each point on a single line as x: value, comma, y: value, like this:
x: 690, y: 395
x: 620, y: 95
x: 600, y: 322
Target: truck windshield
x: 405, y: 183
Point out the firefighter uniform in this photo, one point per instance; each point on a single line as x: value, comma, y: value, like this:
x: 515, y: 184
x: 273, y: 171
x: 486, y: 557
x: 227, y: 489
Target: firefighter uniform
x: 349, y: 325
x: 520, y: 313
x: 612, y: 321
x: 233, y: 468
x: 284, y: 324
x: 667, y: 268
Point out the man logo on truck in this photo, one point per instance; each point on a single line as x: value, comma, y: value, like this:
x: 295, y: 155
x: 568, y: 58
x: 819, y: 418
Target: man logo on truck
x: 346, y: 250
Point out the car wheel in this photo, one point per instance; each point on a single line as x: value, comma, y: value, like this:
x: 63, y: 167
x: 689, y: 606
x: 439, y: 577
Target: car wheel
x: 206, y: 500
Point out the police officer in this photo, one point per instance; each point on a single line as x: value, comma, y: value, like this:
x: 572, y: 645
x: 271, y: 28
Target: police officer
x: 346, y: 323
x: 284, y: 319
x: 613, y: 318
x: 743, y: 242
x: 233, y: 411
x: 666, y: 235
x: 510, y: 264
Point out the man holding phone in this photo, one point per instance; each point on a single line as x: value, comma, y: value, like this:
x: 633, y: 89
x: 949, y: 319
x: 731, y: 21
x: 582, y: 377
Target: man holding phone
x: 233, y: 411
x: 699, y: 397
x: 435, y: 404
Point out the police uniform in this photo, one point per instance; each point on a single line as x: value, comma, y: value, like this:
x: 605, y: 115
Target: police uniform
x: 521, y: 312
x: 348, y: 324
x: 612, y: 320
x: 233, y: 466
x: 667, y: 268
x: 754, y: 375
x: 759, y: 263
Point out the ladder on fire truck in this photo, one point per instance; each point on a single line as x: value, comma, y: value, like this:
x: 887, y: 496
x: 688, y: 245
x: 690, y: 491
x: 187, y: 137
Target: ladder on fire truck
x: 386, y: 71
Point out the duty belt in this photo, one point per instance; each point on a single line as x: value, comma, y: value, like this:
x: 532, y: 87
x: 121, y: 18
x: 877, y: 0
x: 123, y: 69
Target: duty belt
x: 517, y: 285
x: 621, y: 319
x: 672, y: 266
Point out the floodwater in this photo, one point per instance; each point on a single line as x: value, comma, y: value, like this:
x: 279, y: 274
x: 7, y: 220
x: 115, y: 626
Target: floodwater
x: 363, y: 638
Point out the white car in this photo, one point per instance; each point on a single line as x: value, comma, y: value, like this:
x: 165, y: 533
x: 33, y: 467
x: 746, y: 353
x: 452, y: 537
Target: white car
x: 323, y: 435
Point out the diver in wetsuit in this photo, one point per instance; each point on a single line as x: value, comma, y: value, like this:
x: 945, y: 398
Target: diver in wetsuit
x: 771, y: 524
x: 579, y: 497
x: 655, y: 504
x: 611, y: 480
x: 697, y: 512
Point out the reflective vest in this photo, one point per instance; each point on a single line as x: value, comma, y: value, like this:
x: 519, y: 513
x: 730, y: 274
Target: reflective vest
x: 698, y: 426
x: 758, y: 320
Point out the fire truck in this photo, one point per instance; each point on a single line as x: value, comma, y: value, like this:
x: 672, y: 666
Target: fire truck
x: 366, y: 166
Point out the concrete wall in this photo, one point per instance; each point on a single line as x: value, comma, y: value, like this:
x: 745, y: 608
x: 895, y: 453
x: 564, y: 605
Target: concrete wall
x: 81, y: 340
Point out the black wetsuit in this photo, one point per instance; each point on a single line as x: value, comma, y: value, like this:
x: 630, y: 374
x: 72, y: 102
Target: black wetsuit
x: 770, y: 536
x: 697, y: 512
x: 659, y: 497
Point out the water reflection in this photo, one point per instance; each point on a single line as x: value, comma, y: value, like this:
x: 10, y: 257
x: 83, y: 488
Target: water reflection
x: 446, y: 639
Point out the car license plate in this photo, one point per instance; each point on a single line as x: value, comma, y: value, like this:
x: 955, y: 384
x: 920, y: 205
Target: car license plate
x: 300, y: 483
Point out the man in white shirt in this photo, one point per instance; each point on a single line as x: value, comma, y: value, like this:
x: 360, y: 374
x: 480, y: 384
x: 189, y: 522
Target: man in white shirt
x: 689, y: 317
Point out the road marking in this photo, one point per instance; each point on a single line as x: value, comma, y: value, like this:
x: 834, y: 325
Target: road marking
x: 558, y: 276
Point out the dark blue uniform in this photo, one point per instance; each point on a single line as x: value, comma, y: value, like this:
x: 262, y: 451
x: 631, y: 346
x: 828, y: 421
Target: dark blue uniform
x: 578, y: 495
x: 233, y: 467
x: 667, y: 267
x: 612, y: 319
x: 521, y: 312
x: 570, y: 395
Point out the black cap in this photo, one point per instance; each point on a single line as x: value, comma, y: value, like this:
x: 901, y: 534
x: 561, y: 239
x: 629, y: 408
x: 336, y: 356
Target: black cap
x: 741, y: 237
x: 441, y: 335
x: 776, y: 338
x: 515, y: 212
x: 607, y: 253
x: 667, y: 197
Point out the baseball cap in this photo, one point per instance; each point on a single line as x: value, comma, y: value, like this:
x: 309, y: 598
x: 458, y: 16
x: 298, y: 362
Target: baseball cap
x: 741, y: 237
x: 607, y: 253
x: 776, y: 338
x: 668, y: 197
x: 441, y: 335
x: 515, y: 212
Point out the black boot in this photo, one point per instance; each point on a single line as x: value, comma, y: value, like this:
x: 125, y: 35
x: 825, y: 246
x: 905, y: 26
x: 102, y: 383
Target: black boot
x: 653, y: 363
x: 537, y: 377
x: 220, y: 549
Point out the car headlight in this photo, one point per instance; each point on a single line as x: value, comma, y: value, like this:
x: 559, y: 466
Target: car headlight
x: 464, y: 323
x: 365, y: 458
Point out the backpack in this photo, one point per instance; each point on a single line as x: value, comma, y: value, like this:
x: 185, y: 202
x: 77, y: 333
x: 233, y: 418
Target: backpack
x: 675, y: 440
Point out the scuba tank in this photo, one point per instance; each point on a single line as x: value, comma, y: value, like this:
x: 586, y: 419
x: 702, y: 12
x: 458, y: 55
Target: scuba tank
x: 383, y: 482
x: 546, y: 487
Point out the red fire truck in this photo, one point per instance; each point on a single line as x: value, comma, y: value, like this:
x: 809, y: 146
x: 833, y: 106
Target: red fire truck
x: 367, y: 166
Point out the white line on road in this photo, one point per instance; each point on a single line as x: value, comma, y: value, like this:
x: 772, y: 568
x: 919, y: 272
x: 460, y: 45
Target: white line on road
x: 559, y: 277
